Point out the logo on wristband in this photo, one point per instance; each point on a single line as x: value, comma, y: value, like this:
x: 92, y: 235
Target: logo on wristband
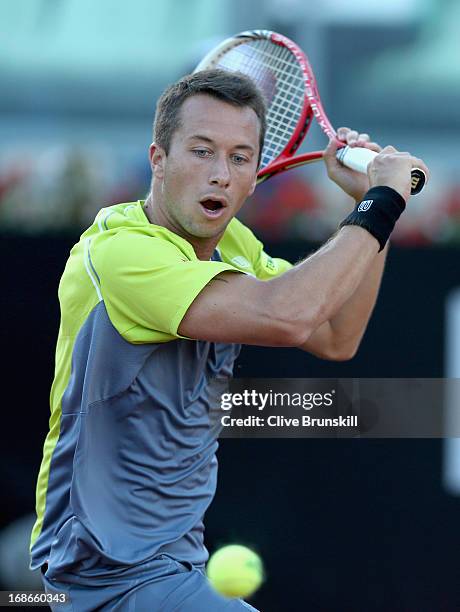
x: 365, y: 205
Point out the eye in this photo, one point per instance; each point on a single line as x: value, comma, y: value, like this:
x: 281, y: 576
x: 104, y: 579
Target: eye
x: 239, y: 159
x: 201, y: 152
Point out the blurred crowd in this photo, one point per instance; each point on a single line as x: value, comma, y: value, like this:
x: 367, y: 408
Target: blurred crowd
x: 61, y: 188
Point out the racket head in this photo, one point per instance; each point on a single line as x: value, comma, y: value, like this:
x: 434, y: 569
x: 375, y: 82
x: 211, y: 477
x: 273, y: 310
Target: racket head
x: 282, y: 71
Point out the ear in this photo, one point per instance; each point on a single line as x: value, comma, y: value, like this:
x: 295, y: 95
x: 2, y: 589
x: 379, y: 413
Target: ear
x: 157, y: 158
x: 253, y: 186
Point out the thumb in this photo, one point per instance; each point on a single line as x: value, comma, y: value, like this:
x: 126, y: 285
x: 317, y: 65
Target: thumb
x: 329, y: 154
x: 331, y: 149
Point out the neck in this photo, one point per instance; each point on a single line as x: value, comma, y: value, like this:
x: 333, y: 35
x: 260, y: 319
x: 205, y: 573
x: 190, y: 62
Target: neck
x: 203, y: 247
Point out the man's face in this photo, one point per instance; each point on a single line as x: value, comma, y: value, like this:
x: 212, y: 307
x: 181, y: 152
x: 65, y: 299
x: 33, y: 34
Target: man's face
x: 211, y: 167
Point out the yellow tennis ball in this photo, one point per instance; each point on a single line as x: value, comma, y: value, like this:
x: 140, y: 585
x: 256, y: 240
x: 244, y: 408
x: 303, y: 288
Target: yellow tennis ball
x: 235, y: 571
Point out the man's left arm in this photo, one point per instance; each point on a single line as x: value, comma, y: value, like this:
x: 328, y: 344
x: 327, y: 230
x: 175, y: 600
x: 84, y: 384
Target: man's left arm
x: 339, y: 338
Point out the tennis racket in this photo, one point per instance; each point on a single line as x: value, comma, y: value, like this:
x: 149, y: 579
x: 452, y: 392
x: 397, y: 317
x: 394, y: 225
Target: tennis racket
x: 282, y: 71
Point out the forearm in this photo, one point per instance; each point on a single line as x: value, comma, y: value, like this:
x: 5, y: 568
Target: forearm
x: 339, y: 338
x: 349, y: 324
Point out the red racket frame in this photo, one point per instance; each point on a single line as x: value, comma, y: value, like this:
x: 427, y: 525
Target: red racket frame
x: 312, y: 108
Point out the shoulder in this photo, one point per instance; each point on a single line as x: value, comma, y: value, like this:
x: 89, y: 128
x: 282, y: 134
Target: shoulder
x: 140, y: 246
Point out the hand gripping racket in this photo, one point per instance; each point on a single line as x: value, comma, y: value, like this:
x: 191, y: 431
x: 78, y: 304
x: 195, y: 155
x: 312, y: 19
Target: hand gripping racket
x: 283, y: 73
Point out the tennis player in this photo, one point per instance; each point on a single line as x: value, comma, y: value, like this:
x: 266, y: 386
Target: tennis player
x: 156, y: 298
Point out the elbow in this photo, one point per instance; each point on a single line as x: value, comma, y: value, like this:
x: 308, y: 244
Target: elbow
x: 342, y: 356
x: 344, y: 352
x: 330, y: 353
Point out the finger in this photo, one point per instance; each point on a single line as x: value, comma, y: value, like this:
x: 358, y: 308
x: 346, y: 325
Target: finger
x: 331, y: 149
x: 389, y: 149
x: 373, y: 146
x: 363, y: 137
x: 342, y: 133
x: 419, y: 163
x: 352, y: 138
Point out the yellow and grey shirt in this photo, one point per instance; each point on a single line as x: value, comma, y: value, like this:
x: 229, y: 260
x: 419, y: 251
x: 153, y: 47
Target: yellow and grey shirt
x: 129, y: 464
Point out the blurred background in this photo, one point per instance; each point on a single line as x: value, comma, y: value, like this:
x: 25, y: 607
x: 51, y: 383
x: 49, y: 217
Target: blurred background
x: 341, y: 524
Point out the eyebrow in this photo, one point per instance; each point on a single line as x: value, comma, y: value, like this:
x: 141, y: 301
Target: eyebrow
x: 204, y: 138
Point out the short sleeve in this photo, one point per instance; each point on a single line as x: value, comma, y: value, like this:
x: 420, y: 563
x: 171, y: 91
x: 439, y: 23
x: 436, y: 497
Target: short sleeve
x: 148, y: 284
x: 268, y: 267
x: 240, y: 247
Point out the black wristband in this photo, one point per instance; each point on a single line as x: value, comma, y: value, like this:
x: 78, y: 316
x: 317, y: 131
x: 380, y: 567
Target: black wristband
x: 377, y: 213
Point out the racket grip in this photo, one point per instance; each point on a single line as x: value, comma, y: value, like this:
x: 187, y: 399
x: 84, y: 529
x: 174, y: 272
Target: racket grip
x: 358, y: 158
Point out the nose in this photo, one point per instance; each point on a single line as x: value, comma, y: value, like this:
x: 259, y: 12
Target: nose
x: 220, y: 172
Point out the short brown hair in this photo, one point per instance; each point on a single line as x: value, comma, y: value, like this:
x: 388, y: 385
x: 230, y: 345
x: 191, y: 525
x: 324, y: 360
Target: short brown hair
x: 231, y: 87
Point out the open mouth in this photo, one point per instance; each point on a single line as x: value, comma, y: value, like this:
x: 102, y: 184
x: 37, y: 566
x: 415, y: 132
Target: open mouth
x: 212, y: 207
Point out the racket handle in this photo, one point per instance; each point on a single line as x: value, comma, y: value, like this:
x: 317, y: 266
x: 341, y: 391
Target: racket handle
x: 358, y: 158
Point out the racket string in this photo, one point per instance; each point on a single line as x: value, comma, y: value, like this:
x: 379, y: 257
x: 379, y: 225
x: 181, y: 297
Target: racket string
x: 276, y: 71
